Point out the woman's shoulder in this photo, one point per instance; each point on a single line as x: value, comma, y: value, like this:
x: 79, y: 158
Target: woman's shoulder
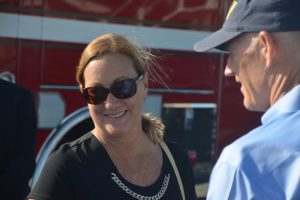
x: 178, y: 152
x: 184, y: 167
x: 175, y: 147
x: 78, y: 150
x: 72, y: 147
x: 83, y: 155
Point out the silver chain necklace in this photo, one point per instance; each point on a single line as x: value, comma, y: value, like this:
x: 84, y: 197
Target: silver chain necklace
x: 135, y: 195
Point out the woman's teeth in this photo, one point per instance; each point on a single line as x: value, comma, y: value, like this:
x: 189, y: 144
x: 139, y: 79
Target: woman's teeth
x: 117, y: 115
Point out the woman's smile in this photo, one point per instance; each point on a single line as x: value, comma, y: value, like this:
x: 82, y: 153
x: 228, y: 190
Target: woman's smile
x: 116, y: 115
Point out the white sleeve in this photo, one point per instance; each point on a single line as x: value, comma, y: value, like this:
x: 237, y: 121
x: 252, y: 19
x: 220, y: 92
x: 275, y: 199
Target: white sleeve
x: 228, y: 182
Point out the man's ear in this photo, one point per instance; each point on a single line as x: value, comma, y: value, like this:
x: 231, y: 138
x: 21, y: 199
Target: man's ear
x: 81, y: 88
x: 268, y: 47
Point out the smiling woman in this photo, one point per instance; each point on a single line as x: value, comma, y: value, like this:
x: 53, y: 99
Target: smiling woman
x: 124, y: 156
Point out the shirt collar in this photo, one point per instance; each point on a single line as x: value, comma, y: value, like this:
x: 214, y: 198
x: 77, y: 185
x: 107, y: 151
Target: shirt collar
x: 289, y: 103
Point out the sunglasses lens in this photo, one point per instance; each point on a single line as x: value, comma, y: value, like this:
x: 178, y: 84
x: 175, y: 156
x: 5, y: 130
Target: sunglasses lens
x: 121, y: 90
x: 124, y: 89
x: 95, y: 95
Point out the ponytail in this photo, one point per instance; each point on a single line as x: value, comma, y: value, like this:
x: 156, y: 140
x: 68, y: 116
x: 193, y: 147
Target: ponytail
x: 153, y: 127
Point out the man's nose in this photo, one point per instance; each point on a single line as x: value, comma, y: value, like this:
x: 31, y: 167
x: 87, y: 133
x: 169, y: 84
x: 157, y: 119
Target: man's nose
x: 228, y: 71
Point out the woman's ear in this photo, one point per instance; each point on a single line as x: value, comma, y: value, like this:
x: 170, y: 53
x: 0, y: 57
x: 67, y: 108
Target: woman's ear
x: 268, y: 47
x: 146, y: 84
x: 146, y: 80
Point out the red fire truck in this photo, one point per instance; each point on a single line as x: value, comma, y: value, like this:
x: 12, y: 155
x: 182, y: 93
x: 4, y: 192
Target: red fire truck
x: 41, y: 42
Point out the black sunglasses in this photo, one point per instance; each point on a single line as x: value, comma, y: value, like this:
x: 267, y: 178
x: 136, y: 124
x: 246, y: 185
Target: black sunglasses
x: 121, y: 89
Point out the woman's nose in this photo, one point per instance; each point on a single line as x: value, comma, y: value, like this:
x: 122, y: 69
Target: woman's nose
x: 110, y: 100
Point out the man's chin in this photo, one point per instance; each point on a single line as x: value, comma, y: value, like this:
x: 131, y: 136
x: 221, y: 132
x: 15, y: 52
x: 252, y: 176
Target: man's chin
x: 254, y: 106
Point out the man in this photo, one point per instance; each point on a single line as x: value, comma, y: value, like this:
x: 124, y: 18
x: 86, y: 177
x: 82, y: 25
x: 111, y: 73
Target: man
x: 262, y: 38
x: 17, y: 141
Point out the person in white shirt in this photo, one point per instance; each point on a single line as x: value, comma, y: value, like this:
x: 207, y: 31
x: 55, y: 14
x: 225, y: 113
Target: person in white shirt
x: 262, y: 39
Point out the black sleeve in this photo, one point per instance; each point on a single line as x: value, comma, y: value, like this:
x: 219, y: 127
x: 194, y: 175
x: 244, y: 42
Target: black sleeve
x: 19, y: 167
x: 185, y: 171
x: 55, y: 181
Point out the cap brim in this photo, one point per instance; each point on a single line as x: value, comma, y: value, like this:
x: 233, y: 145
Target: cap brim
x: 215, y: 41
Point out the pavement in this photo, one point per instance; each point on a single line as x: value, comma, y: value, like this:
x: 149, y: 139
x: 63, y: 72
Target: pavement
x: 201, y: 190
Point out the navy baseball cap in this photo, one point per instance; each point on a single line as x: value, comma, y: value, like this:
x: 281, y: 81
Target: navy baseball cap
x: 253, y: 16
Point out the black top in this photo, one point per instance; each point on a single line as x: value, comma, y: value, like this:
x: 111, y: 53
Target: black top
x: 17, y: 140
x: 83, y: 170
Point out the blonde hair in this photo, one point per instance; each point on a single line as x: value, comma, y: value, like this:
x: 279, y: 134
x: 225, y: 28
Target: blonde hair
x: 144, y: 62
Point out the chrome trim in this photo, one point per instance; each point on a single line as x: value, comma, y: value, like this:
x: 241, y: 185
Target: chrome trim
x: 8, y: 76
x: 154, y: 90
x: 190, y: 105
x: 182, y: 91
x: 59, y: 87
x: 55, y: 137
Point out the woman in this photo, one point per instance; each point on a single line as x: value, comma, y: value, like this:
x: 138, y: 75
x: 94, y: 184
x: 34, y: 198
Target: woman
x: 122, y: 157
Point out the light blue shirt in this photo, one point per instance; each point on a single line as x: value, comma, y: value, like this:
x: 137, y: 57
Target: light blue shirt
x: 265, y: 163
